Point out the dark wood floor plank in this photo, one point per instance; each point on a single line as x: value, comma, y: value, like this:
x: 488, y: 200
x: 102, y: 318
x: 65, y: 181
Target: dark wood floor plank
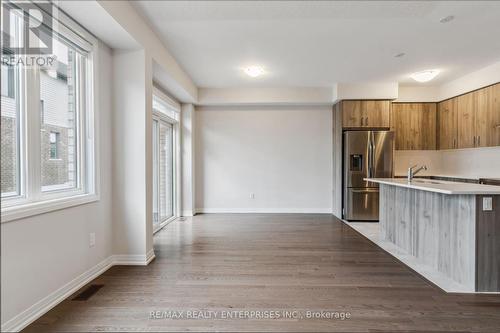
x: 260, y: 262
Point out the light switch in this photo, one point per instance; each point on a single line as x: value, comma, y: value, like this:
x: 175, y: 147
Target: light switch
x: 487, y: 203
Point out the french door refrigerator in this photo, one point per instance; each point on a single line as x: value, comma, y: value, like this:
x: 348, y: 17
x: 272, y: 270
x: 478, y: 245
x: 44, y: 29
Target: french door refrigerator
x: 367, y: 154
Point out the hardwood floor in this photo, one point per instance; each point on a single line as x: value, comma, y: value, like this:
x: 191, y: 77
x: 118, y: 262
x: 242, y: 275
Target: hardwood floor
x: 270, y: 262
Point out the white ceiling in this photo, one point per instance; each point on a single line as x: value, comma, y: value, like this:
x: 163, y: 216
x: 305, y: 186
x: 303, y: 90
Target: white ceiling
x: 319, y: 43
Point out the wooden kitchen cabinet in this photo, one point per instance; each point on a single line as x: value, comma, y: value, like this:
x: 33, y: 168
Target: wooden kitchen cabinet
x: 466, y: 112
x: 487, y: 118
x: 447, y: 124
x: 495, y: 131
x: 365, y: 113
x: 376, y: 113
x: 414, y: 125
x: 351, y: 114
x: 479, y: 118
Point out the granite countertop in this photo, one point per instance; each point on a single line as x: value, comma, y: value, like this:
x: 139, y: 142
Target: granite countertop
x: 439, y: 186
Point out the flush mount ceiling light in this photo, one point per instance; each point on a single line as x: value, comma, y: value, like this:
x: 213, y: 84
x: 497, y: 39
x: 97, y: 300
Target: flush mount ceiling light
x: 254, y: 71
x: 447, y: 19
x: 425, y: 76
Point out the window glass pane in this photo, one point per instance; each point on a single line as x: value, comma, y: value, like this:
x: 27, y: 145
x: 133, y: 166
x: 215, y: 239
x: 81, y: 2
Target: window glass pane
x: 156, y: 213
x: 59, y: 121
x: 166, y: 171
x: 10, y: 128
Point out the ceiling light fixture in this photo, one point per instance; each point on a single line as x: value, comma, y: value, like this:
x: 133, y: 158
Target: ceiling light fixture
x: 425, y: 76
x: 447, y: 19
x: 254, y: 71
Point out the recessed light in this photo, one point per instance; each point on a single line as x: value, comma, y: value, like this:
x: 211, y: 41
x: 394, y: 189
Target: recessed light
x: 254, y: 71
x: 425, y: 76
x: 399, y: 55
x: 447, y: 19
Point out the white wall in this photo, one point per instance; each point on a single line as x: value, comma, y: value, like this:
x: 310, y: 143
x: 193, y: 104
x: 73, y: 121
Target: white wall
x: 428, y: 93
x: 42, y: 253
x: 132, y: 158
x: 467, y: 163
x: 281, y: 154
x: 187, y: 156
x: 177, y: 81
x: 266, y: 96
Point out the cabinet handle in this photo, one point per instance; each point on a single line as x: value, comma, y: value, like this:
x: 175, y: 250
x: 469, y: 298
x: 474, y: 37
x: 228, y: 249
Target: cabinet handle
x: 454, y: 143
x: 474, y: 141
x: 366, y: 121
x: 478, y: 141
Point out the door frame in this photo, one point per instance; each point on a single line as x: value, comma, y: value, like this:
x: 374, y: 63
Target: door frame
x: 176, y: 160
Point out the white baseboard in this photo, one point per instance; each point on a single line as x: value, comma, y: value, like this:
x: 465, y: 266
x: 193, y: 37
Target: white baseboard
x: 41, y: 307
x: 264, y: 210
x: 187, y: 213
x: 133, y: 259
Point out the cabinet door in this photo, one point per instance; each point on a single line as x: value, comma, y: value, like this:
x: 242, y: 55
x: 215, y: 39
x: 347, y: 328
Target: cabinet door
x: 488, y: 117
x: 351, y: 114
x: 423, y: 125
x: 447, y: 119
x: 466, y: 106
x: 375, y: 113
x: 484, y: 126
x: 495, y: 134
x: 401, y: 123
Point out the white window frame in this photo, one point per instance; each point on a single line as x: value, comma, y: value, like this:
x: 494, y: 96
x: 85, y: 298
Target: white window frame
x: 31, y: 199
x: 176, y: 151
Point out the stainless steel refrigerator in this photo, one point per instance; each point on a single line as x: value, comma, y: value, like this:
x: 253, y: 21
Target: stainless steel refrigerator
x: 367, y: 154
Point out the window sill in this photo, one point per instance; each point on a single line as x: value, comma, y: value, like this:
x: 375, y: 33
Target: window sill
x: 17, y: 212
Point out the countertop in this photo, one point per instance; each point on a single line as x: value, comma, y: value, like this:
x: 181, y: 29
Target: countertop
x: 439, y: 186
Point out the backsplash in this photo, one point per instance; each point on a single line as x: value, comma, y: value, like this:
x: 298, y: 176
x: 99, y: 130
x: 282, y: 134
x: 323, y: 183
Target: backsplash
x: 403, y: 159
x: 467, y: 163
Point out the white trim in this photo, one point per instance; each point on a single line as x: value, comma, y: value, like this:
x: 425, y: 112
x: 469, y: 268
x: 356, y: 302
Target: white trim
x: 162, y: 224
x: 47, y: 303
x: 134, y: 259
x: 41, y: 307
x: 187, y: 213
x: 263, y: 210
x: 41, y: 207
x: 166, y: 99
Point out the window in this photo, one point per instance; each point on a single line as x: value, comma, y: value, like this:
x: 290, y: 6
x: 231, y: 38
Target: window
x: 54, y: 143
x: 48, y: 124
x: 8, y: 81
x: 10, y: 133
x: 163, y: 172
x: 165, y: 156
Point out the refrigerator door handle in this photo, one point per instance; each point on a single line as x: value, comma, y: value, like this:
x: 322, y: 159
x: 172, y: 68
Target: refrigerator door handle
x: 370, y: 156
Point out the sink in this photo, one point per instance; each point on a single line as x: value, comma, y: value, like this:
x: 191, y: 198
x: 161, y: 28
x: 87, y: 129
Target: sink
x: 426, y: 181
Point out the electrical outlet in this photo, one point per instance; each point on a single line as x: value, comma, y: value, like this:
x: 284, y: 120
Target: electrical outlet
x: 92, y: 239
x: 252, y: 195
x: 487, y: 204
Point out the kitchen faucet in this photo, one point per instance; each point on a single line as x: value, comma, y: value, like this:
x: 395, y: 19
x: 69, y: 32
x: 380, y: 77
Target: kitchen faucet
x: 412, y: 173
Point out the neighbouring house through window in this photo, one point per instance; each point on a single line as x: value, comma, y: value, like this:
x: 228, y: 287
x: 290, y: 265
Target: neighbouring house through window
x: 54, y: 143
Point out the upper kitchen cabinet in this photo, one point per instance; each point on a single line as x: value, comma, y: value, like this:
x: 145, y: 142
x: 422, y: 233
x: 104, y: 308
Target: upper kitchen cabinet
x: 495, y: 134
x: 414, y: 125
x: 447, y: 124
x: 487, y: 119
x: 466, y: 110
x: 351, y: 114
x: 479, y: 118
x: 365, y: 113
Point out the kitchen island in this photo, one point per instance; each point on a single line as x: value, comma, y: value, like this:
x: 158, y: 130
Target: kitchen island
x: 449, y: 232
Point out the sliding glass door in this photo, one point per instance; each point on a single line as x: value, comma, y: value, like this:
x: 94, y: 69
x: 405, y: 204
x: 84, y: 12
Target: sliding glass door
x: 163, y: 172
